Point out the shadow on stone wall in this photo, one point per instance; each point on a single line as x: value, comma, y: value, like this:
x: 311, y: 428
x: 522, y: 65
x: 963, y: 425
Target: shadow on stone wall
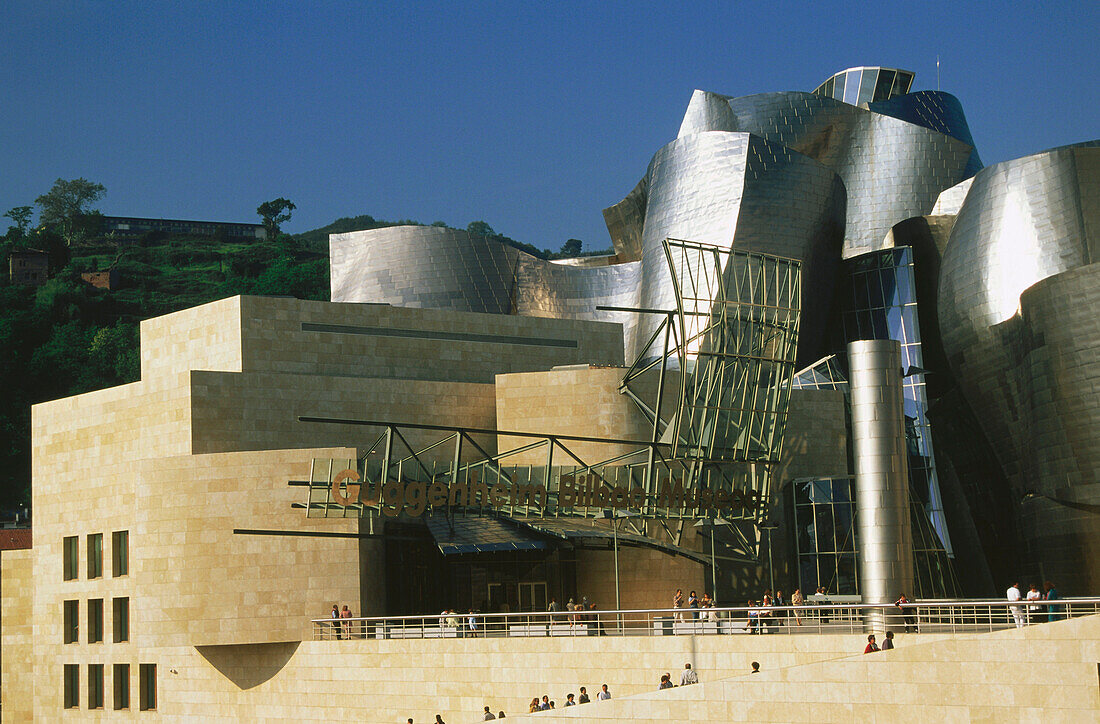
x: 249, y: 665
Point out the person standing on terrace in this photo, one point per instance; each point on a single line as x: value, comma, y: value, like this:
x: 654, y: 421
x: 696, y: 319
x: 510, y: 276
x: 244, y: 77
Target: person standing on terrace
x: 1051, y: 595
x: 797, y: 600
x: 1013, y: 594
x: 345, y: 613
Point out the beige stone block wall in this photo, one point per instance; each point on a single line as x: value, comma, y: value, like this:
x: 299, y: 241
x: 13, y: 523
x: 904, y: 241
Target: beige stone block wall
x: 273, y: 341
x: 264, y: 334
x: 202, y: 583
x: 191, y: 579
x: 207, y: 337
x: 584, y: 402
x: 259, y: 411
x: 387, y: 681
x: 1041, y: 673
x: 128, y: 422
x: 16, y: 643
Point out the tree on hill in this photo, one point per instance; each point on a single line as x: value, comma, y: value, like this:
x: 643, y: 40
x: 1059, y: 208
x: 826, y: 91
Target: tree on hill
x: 481, y: 228
x: 571, y: 248
x: 21, y: 215
x: 274, y: 213
x: 64, y: 205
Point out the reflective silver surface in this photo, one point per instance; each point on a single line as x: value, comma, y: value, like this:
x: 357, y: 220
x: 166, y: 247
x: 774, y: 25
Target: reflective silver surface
x: 883, y: 526
x: 739, y: 191
x: 1002, y: 261
x: 892, y: 168
x: 422, y: 266
x: 1018, y: 302
x: 790, y: 174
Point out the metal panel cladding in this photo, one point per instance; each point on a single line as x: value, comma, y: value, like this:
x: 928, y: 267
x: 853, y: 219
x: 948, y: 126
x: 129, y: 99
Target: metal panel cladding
x: 1023, y: 349
x: 422, y: 266
x: 739, y: 191
x: 892, y: 169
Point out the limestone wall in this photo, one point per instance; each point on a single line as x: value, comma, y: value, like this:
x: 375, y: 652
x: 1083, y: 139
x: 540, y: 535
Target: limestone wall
x: 1040, y: 673
x: 16, y: 611
x: 259, y: 411
x: 388, y: 681
x: 197, y: 571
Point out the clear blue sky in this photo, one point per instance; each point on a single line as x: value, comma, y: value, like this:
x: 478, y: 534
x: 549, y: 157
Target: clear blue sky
x: 531, y: 116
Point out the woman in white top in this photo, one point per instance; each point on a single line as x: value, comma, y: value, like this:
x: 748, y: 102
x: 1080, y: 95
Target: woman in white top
x: 1033, y: 595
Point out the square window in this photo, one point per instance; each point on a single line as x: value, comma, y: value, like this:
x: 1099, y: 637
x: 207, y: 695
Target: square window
x: 147, y: 686
x: 121, y: 682
x: 71, y: 621
x: 95, y: 686
x: 95, y: 555
x: 72, y: 686
x: 120, y: 553
x: 95, y: 620
x: 70, y: 550
x: 121, y: 619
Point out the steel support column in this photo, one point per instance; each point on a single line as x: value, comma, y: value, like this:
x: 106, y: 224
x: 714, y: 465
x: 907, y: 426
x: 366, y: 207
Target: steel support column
x: 882, y: 476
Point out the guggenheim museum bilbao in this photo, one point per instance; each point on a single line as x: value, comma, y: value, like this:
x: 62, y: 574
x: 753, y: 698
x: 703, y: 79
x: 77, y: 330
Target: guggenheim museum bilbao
x: 830, y: 349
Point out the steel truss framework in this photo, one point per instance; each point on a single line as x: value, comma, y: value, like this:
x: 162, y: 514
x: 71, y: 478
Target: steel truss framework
x: 731, y: 345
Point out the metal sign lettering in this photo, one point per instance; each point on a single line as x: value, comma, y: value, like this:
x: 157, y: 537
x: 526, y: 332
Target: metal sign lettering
x: 342, y: 491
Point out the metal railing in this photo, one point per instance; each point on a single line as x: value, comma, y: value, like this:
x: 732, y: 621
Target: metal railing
x: 819, y: 617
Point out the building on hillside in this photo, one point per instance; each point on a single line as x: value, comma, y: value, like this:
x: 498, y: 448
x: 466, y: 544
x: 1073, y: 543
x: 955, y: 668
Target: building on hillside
x: 29, y: 267
x: 809, y: 299
x: 108, y: 280
x: 132, y: 226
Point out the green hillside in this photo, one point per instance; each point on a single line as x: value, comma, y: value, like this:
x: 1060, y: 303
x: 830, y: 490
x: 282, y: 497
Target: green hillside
x: 67, y: 337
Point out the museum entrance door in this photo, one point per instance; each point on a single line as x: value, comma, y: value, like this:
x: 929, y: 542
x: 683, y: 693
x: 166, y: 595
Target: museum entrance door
x: 522, y: 596
x: 532, y: 596
x: 420, y: 579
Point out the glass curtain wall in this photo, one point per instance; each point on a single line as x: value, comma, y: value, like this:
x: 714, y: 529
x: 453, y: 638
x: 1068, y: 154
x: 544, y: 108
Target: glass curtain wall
x: 824, y: 514
x: 824, y: 524
x: 882, y: 304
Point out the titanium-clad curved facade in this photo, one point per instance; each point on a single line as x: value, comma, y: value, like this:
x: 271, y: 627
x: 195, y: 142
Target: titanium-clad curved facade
x: 895, y: 157
x: 794, y: 174
x: 423, y: 266
x: 736, y: 190
x: 1018, y: 298
x: 892, y: 169
x: 1003, y: 261
x: 727, y: 189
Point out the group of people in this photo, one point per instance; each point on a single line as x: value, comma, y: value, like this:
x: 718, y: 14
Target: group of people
x: 687, y: 678
x: 464, y: 624
x: 695, y: 603
x: 761, y: 614
x: 341, y: 627
x: 570, y: 699
x: 872, y: 645
x: 1033, y: 613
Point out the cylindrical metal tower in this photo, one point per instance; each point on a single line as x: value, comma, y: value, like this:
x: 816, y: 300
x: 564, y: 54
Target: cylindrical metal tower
x: 882, y: 474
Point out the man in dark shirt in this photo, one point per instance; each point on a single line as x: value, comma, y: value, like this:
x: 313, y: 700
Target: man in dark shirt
x: 583, y: 699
